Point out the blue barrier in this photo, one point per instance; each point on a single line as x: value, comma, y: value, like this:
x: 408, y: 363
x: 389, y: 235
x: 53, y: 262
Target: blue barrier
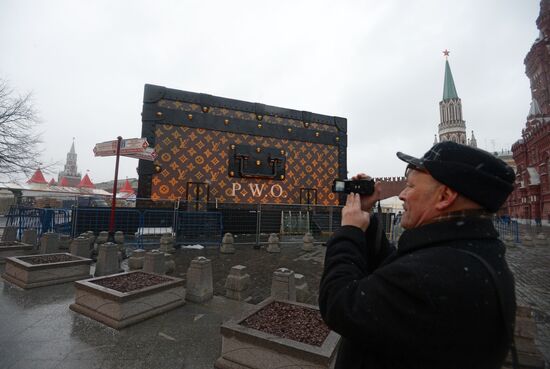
x: 43, y: 220
x: 507, y: 228
x: 145, y: 226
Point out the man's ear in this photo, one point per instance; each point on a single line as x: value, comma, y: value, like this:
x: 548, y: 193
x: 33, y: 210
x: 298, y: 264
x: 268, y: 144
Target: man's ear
x: 447, y: 198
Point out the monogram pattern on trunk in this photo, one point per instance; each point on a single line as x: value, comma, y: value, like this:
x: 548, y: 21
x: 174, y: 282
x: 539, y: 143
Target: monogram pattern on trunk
x: 200, y: 155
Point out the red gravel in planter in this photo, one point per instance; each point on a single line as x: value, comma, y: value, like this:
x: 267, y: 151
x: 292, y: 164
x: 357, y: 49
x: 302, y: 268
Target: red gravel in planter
x: 290, y: 321
x: 131, y: 282
x: 47, y: 259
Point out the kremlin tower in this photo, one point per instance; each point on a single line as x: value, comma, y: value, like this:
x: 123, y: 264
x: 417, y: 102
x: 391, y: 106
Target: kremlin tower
x: 452, y: 126
x: 69, y: 175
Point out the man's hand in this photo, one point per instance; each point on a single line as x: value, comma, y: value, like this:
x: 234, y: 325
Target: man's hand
x: 352, y: 213
x: 367, y: 202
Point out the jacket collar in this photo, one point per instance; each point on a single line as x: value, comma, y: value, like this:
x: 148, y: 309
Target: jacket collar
x: 451, y: 229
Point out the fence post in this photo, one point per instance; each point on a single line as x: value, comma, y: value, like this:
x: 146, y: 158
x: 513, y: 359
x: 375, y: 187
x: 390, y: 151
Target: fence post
x: 175, y: 221
x: 258, y: 225
x: 516, y: 231
x: 141, y: 224
x: 20, y: 222
x: 290, y: 225
x: 74, y: 216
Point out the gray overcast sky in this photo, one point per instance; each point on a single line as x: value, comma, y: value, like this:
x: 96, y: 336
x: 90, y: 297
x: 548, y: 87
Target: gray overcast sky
x: 377, y: 63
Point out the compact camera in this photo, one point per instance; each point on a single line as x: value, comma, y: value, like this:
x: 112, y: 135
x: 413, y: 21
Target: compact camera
x: 360, y: 186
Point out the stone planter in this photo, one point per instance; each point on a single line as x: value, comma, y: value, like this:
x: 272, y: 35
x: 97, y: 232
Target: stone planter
x: 121, y: 307
x: 14, y: 248
x: 44, y: 270
x: 247, y: 348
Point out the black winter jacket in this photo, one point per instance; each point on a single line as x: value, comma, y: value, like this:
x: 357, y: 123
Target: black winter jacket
x: 425, y: 305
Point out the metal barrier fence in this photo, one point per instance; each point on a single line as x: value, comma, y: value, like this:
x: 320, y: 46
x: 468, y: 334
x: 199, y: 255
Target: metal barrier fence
x: 145, y: 226
x: 249, y: 223
x: 43, y: 220
x: 192, y: 223
x: 507, y: 228
x: 253, y: 223
x: 143, y: 221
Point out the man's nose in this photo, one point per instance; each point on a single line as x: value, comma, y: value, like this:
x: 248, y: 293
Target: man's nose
x: 402, y: 194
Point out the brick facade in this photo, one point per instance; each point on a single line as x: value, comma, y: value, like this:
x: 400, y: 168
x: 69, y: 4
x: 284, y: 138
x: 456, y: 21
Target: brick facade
x: 531, y: 197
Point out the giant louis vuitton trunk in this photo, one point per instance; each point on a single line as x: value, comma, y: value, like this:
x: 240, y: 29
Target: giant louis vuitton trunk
x: 214, y: 149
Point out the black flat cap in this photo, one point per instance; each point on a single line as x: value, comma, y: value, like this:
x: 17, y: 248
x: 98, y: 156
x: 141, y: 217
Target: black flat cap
x: 472, y: 172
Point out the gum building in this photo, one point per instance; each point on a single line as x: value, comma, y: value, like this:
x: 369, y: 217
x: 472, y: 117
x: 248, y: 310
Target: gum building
x: 530, y: 200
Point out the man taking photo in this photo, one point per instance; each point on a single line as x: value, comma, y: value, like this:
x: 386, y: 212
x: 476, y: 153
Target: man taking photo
x: 445, y: 297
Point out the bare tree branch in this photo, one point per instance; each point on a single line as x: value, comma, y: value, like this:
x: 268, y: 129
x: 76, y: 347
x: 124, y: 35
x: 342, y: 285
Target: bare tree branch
x: 19, y: 139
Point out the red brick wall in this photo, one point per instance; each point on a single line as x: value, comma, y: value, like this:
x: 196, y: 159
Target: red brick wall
x: 391, y: 186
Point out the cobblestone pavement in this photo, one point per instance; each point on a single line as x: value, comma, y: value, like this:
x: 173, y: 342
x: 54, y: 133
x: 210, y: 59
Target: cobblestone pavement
x: 37, y: 330
x: 531, y: 267
x: 530, y: 264
x: 260, y: 266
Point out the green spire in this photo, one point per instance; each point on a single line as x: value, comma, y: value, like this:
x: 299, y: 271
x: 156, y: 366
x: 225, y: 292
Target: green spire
x: 449, y: 89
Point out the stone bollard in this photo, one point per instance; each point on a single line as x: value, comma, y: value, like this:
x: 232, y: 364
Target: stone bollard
x: 308, y: 242
x: 508, y: 240
x: 91, y: 238
x: 119, y: 237
x: 167, y: 243
x: 236, y: 284
x: 540, y: 240
x: 107, y: 260
x: 102, y: 238
x: 199, y: 280
x: 527, y: 240
x: 302, y: 291
x: 121, y: 251
x: 169, y: 263
x: 10, y: 234
x: 153, y: 262
x: 64, y: 242
x: 119, y: 241
x: 228, y: 244
x: 273, y: 243
x: 49, y: 243
x: 135, y: 261
x: 525, y: 326
x: 30, y: 236
x: 80, y: 246
x: 525, y: 331
x: 283, y: 285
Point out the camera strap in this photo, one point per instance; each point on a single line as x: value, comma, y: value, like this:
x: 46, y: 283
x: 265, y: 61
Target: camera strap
x: 502, y: 304
x: 378, y: 240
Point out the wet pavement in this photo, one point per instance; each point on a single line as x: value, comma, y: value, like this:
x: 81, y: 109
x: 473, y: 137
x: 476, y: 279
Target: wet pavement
x: 37, y: 329
x: 531, y: 268
x: 260, y: 265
